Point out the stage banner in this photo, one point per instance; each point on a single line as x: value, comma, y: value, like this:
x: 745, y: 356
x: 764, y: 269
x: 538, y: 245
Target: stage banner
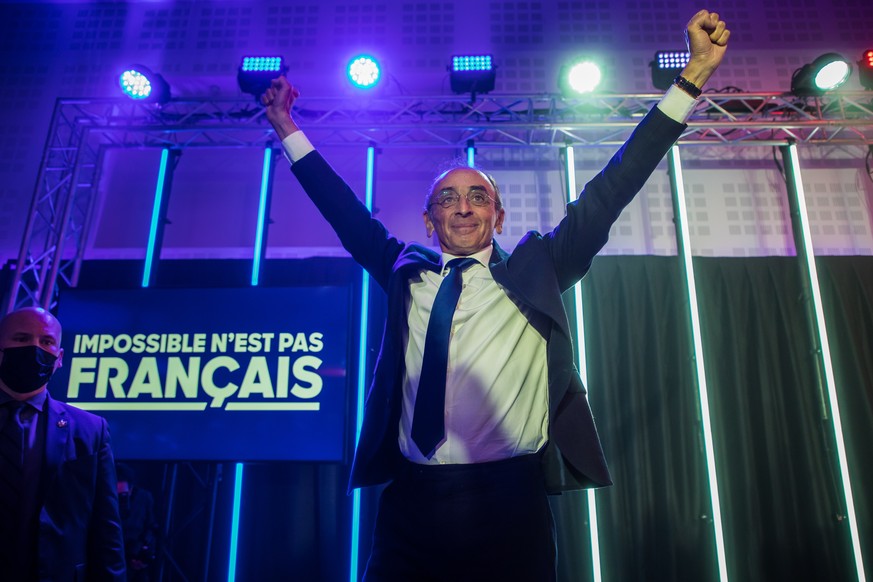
x: 244, y: 374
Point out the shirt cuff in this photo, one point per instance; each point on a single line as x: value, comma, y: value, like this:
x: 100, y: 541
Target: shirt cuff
x: 676, y: 104
x: 296, y: 145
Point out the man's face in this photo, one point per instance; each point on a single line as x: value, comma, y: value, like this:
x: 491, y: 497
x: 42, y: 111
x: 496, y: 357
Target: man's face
x: 31, y: 327
x: 463, y: 229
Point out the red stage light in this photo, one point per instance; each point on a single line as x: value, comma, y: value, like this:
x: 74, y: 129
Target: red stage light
x: 865, y: 69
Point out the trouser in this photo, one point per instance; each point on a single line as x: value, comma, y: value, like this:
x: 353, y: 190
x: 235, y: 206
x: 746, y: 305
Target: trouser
x: 453, y: 523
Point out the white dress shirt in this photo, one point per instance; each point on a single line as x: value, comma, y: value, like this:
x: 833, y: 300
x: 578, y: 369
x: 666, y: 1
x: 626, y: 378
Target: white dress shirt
x: 496, y: 383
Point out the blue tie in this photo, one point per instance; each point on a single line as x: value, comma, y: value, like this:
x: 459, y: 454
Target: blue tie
x: 428, y: 420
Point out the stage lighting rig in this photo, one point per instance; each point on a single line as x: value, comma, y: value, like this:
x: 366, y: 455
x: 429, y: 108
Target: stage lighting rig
x: 472, y: 74
x: 142, y: 84
x: 824, y: 74
x: 256, y: 72
x: 579, y: 76
x: 364, y: 72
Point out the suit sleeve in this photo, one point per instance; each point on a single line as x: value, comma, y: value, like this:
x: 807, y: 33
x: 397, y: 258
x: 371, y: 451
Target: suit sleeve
x: 367, y: 239
x: 585, y: 228
x: 105, y: 540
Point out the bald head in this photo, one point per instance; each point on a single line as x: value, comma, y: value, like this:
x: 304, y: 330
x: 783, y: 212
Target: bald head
x: 30, y: 318
x: 23, y: 370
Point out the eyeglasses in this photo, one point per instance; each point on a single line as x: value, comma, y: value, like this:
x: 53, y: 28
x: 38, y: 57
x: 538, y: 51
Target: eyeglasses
x: 450, y: 198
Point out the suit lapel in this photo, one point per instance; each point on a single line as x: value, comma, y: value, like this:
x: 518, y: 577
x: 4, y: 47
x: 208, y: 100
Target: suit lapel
x: 56, y: 437
x: 417, y: 257
x: 531, y: 279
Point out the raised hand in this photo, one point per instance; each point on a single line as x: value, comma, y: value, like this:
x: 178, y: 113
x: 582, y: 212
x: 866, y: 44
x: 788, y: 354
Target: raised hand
x: 278, y: 100
x: 706, y: 36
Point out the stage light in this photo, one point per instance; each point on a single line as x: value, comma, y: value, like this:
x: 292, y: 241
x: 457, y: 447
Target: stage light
x: 364, y: 72
x: 824, y: 74
x: 256, y: 72
x: 472, y: 74
x: 865, y: 69
x: 666, y: 66
x: 141, y: 84
x: 580, y: 76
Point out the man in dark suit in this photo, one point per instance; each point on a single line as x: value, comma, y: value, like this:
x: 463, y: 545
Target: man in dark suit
x: 467, y: 498
x: 59, y: 516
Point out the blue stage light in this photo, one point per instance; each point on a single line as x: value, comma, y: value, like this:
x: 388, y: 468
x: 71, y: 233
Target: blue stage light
x: 472, y: 63
x: 259, y: 64
x: 256, y: 72
x: 364, y: 72
x: 135, y: 85
x: 472, y: 74
x: 141, y: 84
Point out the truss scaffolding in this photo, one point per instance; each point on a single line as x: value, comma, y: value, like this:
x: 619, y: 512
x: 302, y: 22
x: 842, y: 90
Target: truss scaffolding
x: 82, y: 129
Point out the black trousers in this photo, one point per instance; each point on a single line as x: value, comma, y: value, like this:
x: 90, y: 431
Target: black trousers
x: 454, y: 523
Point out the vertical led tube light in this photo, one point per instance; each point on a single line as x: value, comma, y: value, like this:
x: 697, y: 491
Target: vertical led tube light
x: 803, y: 241
x: 471, y: 154
x: 156, y: 218
x: 234, y: 523
x: 362, y: 375
x: 256, y: 271
x: 683, y: 242
x: 261, y: 226
x: 581, y: 362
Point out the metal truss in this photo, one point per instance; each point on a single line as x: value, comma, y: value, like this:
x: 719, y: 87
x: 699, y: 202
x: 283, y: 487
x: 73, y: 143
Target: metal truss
x: 181, y: 555
x: 81, y: 130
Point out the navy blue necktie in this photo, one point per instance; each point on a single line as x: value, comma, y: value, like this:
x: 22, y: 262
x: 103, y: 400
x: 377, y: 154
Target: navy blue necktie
x: 428, y: 420
x: 11, y: 464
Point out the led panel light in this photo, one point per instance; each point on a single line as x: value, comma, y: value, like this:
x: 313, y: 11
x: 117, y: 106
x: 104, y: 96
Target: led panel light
x: 666, y: 66
x: 472, y: 74
x: 256, y: 72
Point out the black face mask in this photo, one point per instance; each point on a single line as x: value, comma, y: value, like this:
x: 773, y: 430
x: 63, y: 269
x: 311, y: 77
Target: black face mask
x: 26, y: 368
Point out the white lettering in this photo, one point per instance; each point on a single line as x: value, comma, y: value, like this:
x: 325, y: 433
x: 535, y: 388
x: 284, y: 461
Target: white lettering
x: 257, y: 379
x: 218, y: 393
x: 303, y: 373
x: 146, y: 380
x: 105, y: 378
x: 186, y: 379
x: 81, y: 372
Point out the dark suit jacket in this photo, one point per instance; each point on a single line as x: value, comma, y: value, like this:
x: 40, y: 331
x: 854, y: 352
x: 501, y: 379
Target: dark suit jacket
x: 538, y: 271
x: 79, y: 525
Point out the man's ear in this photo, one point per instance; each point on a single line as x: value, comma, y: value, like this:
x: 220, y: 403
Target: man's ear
x: 428, y: 224
x: 59, y: 363
x: 498, y: 226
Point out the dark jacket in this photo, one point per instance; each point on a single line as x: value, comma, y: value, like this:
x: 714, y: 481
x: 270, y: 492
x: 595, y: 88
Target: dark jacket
x: 79, y: 526
x: 538, y: 271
